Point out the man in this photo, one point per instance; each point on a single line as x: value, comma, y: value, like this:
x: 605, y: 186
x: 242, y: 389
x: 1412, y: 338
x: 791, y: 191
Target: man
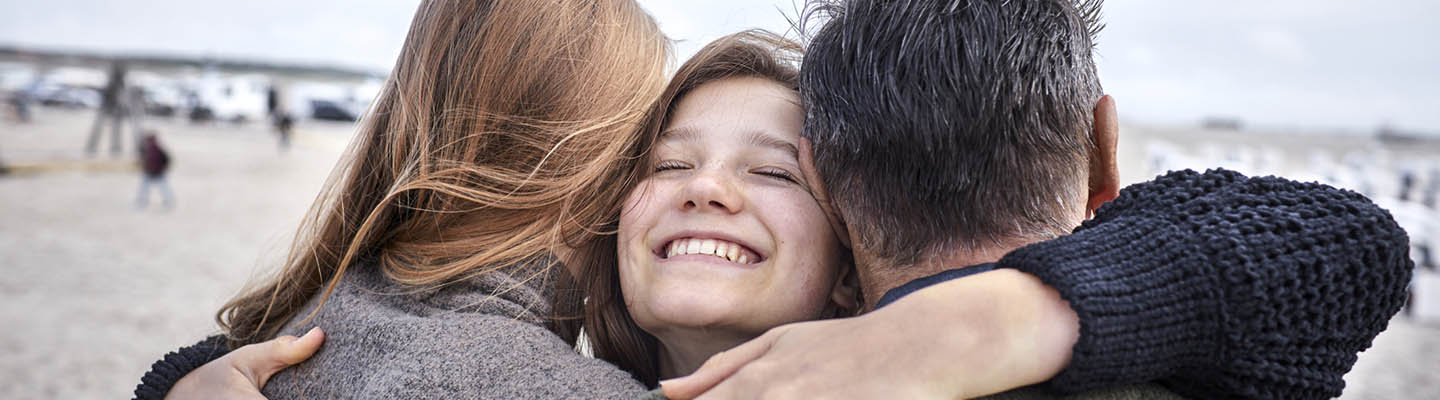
x: 978, y: 140
x: 950, y: 133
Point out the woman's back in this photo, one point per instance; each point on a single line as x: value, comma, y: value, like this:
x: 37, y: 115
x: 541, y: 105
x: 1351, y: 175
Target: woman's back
x: 496, y: 141
x: 482, y: 337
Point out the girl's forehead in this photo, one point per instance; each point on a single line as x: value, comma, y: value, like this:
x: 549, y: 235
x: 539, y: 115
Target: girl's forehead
x: 733, y: 107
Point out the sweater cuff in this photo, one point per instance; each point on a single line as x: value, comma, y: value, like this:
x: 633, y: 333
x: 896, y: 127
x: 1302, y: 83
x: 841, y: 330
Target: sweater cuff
x: 164, y: 373
x: 1146, y: 304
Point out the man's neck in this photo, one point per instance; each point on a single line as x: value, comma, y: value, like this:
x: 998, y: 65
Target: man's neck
x: 879, y: 275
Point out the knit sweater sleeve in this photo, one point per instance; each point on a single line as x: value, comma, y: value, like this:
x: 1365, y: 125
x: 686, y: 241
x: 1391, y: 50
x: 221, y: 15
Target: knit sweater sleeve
x: 1221, y: 286
x: 164, y: 373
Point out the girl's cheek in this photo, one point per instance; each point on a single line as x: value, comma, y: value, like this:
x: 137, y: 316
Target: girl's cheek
x: 796, y: 213
x: 640, y: 198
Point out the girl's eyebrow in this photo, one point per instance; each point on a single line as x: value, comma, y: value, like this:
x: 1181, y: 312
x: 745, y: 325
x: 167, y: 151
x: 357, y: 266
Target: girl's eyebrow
x: 685, y: 133
x: 754, y: 138
x: 767, y: 139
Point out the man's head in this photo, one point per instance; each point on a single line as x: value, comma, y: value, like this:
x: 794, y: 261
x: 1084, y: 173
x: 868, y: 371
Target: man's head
x: 954, y: 124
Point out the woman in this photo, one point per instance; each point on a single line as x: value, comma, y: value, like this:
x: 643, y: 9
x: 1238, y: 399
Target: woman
x: 699, y: 172
x: 492, y: 146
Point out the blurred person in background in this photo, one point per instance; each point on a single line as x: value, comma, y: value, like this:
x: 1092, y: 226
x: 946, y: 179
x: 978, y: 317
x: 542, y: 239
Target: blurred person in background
x: 154, y: 163
x: 19, y: 102
x: 272, y: 100
x: 284, y: 128
x: 279, y: 117
x: 114, y: 108
x: 1432, y: 190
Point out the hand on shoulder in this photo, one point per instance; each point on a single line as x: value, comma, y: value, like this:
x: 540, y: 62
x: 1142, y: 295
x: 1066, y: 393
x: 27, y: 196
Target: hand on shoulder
x: 243, y: 372
x: 969, y: 337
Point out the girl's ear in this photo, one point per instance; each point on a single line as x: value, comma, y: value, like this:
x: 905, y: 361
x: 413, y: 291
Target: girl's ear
x: 845, y: 295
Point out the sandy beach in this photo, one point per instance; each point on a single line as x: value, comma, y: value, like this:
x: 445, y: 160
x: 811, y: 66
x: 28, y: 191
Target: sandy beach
x: 94, y: 289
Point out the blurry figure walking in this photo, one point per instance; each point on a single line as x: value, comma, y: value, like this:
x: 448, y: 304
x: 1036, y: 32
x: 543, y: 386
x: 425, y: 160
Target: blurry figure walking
x: 272, y: 100
x: 280, y: 117
x: 20, y: 102
x: 284, y: 126
x: 154, y: 162
x: 114, y: 107
x: 1431, y: 194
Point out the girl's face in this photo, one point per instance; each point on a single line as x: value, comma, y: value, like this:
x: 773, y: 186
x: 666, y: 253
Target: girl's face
x: 724, y: 235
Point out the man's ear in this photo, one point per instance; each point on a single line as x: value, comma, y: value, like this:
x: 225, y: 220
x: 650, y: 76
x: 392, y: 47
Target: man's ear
x: 1104, y: 172
x: 846, y: 292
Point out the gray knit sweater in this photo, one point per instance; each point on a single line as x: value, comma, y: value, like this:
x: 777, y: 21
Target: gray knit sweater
x: 478, y: 338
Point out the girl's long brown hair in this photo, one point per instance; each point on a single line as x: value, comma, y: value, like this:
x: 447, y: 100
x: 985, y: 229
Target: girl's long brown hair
x: 495, y: 141
x: 613, y: 335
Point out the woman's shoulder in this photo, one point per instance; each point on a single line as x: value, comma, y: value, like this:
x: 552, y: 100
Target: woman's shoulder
x: 485, y: 356
x: 441, y: 345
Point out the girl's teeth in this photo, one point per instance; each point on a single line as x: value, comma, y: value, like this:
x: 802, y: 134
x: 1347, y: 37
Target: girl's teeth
x: 712, y: 247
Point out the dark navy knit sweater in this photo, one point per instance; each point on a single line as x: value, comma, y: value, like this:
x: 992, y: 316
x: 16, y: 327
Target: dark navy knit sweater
x: 1222, y: 286
x: 1214, y: 285
x: 164, y: 373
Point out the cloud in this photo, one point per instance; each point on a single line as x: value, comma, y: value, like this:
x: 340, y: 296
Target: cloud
x: 1280, y: 45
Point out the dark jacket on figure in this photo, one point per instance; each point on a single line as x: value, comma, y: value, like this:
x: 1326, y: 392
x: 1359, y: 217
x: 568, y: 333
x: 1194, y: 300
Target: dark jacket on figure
x: 153, y: 159
x: 1207, y: 285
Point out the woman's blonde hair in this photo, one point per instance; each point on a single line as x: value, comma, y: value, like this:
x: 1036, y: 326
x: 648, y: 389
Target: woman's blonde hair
x: 496, y: 139
x: 613, y: 334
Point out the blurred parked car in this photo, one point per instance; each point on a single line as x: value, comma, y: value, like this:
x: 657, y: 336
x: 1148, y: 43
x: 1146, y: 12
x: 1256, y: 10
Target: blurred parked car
x: 229, y: 98
x: 200, y: 114
x: 59, y: 95
x: 331, y: 110
x: 162, y: 101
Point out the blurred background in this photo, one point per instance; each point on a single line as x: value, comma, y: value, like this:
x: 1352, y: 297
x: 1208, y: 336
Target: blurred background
x: 102, y: 271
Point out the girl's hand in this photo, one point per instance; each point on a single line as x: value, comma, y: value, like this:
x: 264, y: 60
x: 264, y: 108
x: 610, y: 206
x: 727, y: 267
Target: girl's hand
x: 973, y: 336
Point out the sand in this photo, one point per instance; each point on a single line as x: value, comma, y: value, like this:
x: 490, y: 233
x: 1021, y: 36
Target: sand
x: 93, y: 290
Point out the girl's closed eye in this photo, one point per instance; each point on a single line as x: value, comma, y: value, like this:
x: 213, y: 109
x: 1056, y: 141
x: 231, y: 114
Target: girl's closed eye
x: 668, y: 165
x: 778, y: 173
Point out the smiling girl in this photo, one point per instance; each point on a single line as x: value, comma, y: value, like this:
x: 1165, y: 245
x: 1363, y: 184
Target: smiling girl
x: 724, y: 241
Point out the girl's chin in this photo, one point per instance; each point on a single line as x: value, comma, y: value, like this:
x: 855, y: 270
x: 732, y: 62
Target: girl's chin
x: 697, y: 312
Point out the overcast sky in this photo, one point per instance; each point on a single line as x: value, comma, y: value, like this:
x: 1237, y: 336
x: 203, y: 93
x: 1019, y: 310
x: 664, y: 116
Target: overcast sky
x: 1308, y: 64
